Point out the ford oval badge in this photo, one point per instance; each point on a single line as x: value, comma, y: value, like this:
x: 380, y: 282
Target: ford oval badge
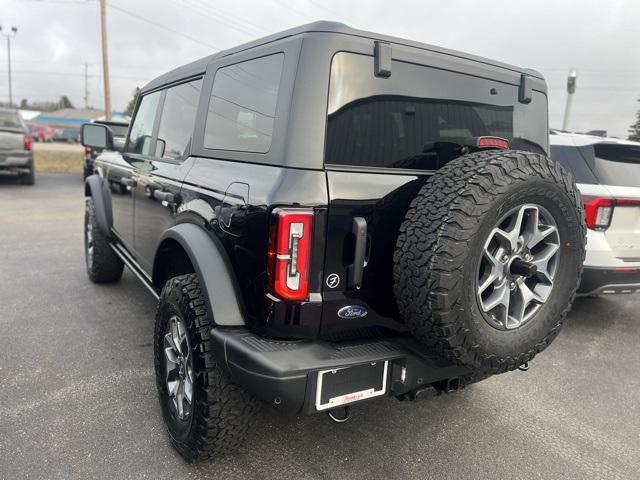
x: 352, y: 311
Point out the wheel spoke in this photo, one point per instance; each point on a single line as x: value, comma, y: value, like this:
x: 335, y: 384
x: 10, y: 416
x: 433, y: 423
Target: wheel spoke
x: 175, y: 336
x: 500, y: 296
x: 509, y: 238
x: 525, y: 234
x: 541, y: 261
x: 188, y: 389
x: 180, y: 399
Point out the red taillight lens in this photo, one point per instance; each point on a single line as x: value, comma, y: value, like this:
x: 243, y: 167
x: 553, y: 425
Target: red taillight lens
x: 628, y: 202
x: 28, y: 142
x: 598, y: 211
x: 492, y: 142
x: 290, y: 253
x: 87, y: 149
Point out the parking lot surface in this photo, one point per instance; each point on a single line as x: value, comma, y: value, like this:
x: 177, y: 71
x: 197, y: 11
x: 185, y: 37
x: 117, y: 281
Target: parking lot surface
x: 78, y: 400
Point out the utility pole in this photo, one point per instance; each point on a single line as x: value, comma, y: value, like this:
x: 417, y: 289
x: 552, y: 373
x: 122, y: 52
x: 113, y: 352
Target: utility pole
x: 571, y: 89
x: 86, y: 85
x: 9, y: 36
x: 105, y: 60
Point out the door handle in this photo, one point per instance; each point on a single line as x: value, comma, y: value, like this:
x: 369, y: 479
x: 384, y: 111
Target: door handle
x: 359, y: 230
x: 164, y: 196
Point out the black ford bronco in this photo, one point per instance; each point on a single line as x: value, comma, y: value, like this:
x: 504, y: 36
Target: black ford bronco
x: 328, y: 215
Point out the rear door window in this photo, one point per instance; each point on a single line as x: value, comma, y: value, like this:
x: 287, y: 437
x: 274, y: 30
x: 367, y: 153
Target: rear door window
x: 242, y: 107
x: 177, y: 120
x: 415, y: 118
x: 142, y: 128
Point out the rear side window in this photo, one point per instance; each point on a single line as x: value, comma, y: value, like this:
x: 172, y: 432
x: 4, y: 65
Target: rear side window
x: 177, y: 120
x: 575, y: 161
x: 617, y: 164
x: 242, y: 107
x: 142, y: 128
x: 418, y: 117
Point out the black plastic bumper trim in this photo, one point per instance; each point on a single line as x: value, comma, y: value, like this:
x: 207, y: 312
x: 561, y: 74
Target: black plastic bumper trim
x: 284, y: 373
x: 608, y: 280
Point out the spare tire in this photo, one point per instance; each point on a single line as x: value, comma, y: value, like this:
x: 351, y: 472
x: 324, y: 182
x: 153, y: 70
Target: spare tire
x: 489, y: 258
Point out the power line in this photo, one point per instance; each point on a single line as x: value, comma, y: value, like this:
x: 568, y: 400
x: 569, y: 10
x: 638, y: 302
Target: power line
x: 164, y: 27
x: 225, y: 18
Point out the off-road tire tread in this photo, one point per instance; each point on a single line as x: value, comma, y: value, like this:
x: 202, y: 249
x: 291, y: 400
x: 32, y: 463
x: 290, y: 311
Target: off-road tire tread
x: 223, y: 412
x: 432, y: 248
x: 107, y: 266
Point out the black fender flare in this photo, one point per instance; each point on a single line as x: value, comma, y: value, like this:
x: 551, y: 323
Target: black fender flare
x: 214, y: 271
x: 98, y: 189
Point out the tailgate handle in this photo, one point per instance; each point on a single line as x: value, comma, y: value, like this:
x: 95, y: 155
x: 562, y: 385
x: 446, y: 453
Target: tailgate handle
x: 359, y: 230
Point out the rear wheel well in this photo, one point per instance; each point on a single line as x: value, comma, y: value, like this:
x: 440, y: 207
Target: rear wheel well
x: 171, y: 260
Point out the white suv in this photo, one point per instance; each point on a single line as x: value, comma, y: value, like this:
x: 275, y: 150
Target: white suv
x: 607, y: 171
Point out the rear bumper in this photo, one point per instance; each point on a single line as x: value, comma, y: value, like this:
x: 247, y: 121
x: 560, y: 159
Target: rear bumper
x: 597, y: 281
x: 16, y: 160
x: 285, y: 373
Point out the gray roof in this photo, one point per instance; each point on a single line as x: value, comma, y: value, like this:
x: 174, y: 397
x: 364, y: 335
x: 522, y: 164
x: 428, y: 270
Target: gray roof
x: 199, y: 66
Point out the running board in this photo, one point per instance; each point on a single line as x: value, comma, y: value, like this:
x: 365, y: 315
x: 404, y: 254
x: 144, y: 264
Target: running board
x: 135, y: 268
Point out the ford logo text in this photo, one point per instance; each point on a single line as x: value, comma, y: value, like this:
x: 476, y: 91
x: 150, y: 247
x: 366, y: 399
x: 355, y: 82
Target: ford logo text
x: 352, y: 311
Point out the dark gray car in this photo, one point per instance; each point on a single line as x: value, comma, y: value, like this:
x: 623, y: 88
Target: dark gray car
x: 15, y: 146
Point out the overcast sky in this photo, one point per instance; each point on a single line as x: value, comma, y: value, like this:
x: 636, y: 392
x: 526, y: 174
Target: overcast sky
x: 148, y: 37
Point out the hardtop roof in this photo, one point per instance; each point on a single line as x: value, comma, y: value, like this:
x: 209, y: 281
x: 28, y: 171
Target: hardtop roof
x: 198, y: 67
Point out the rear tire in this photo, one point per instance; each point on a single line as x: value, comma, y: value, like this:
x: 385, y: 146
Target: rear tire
x: 103, y: 265
x: 206, y: 414
x: 440, y: 268
x: 29, y: 178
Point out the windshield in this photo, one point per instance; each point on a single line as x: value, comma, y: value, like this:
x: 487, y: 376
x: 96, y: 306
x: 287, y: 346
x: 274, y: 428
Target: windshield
x: 10, y: 120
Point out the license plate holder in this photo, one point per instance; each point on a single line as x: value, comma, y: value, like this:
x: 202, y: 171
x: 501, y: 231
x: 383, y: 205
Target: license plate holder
x: 345, y: 385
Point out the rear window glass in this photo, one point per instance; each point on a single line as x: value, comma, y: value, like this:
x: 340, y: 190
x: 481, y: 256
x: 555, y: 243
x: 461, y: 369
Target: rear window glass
x: 417, y: 117
x: 242, y: 108
x: 617, y: 164
x: 10, y: 120
x: 573, y: 160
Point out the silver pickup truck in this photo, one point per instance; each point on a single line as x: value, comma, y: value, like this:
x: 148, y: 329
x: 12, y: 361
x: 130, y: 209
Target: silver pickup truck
x: 15, y: 146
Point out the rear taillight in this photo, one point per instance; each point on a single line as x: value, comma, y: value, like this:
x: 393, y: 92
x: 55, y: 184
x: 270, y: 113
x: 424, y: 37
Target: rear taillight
x: 290, y: 252
x: 598, y: 211
x: 27, y: 142
x: 627, y: 202
x: 87, y: 149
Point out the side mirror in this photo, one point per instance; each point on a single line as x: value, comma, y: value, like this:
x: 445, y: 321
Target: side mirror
x: 160, y: 147
x: 96, y: 136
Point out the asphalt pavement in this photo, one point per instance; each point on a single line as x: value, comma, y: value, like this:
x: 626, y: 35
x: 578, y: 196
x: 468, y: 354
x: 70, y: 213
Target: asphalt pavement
x: 78, y: 399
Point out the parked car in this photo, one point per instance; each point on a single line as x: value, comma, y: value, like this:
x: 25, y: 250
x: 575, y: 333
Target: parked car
x: 119, y: 130
x: 15, y: 146
x: 607, y: 171
x: 40, y: 133
x: 69, y: 135
x: 327, y: 216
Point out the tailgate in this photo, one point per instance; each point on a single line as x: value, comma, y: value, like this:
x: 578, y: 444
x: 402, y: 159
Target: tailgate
x: 11, y: 140
x: 623, y: 235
